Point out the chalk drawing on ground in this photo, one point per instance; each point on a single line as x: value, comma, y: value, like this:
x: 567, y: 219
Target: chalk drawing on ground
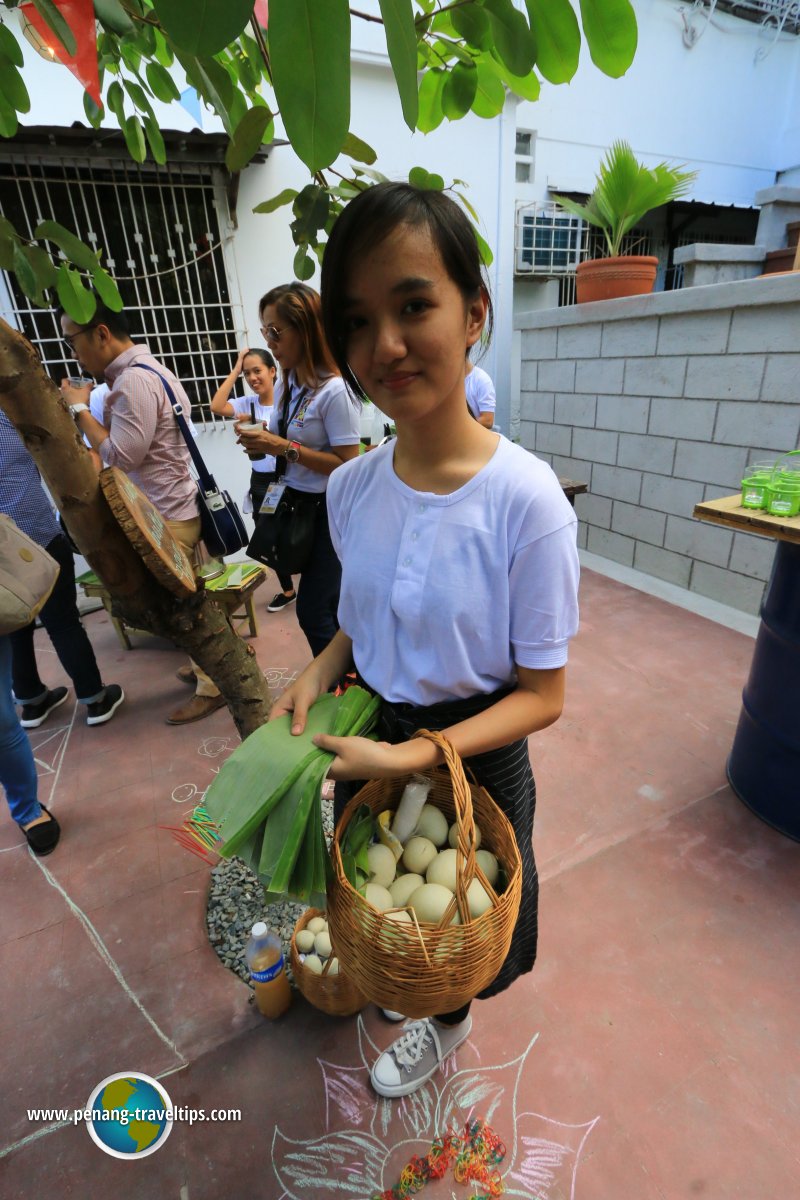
x: 368, y: 1140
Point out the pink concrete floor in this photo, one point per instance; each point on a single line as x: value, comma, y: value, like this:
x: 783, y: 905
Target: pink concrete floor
x: 653, y: 1053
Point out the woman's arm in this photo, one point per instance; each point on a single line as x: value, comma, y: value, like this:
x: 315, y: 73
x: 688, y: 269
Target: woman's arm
x: 220, y: 401
x: 324, y: 462
x: 535, y: 703
x: 320, y: 675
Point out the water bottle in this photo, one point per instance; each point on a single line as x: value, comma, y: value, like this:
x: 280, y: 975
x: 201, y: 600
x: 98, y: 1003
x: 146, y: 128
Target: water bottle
x: 264, y: 955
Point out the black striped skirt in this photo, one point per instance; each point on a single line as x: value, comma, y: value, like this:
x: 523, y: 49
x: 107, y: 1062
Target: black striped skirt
x: 506, y: 775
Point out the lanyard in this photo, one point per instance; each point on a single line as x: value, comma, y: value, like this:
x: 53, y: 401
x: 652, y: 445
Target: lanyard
x: 285, y: 419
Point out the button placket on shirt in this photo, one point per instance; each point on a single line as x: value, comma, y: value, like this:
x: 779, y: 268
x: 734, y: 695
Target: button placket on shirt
x: 414, y: 555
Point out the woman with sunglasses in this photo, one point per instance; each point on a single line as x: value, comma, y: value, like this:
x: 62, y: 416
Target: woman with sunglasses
x: 313, y: 429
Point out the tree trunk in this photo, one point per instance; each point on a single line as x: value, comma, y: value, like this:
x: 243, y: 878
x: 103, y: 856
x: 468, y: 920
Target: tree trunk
x: 197, y: 624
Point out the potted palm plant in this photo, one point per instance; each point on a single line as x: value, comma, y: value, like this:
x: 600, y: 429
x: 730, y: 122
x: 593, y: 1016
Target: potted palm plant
x: 625, y: 190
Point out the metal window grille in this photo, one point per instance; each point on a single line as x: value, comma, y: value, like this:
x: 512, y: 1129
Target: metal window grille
x: 146, y: 222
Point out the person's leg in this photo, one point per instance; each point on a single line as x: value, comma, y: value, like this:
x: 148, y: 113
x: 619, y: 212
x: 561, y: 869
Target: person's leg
x: 207, y: 698
x: 17, y: 768
x: 318, y: 593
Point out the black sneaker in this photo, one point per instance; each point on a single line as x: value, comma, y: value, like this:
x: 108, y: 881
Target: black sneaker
x: 103, y: 710
x: 280, y: 601
x: 33, y: 714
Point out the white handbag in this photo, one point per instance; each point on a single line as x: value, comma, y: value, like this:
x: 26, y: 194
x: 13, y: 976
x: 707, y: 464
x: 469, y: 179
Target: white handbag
x: 27, y: 577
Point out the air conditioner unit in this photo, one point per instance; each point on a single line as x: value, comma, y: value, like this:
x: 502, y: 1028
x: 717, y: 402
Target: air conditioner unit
x: 548, y: 241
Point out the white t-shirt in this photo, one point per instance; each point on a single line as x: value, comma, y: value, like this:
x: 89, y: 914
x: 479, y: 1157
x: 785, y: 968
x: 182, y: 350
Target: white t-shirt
x: 443, y: 595
x: 241, y: 408
x: 480, y: 392
x: 325, y: 418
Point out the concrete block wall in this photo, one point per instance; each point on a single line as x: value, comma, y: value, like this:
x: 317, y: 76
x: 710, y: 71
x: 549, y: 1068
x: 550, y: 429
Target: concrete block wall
x: 661, y: 401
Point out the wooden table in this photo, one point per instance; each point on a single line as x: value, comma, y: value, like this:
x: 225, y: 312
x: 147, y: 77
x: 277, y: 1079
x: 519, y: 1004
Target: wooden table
x: 572, y: 488
x: 764, y: 764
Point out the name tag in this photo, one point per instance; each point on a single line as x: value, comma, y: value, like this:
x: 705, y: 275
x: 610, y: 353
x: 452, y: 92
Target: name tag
x: 272, y: 498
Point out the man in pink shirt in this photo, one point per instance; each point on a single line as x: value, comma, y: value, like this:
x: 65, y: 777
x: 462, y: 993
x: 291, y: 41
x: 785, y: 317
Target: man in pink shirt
x: 140, y: 436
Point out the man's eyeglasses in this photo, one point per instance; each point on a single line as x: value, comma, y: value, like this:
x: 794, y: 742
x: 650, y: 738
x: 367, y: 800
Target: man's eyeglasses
x: 69, y: 341
x: 272, y: 333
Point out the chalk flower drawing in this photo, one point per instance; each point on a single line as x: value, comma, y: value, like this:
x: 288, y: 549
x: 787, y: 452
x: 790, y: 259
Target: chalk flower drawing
x: 368, y: 1140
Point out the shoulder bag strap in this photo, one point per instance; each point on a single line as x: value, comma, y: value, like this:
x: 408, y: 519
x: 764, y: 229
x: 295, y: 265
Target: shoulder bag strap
x: 203, y: 473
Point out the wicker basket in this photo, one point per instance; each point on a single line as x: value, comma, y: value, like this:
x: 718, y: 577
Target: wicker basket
x: 421, y: 970
x: 333, y: 994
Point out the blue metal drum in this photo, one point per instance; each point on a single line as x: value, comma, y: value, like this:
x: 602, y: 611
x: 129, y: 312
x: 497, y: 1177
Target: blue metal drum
x: 764, y: 763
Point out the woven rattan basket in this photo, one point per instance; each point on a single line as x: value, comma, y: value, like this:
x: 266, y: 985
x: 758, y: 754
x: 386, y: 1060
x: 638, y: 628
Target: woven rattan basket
x: 421, y: 970
x: 333, y: 994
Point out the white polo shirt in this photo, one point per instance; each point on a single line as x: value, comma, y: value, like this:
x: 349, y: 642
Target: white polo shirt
x: 241, y: 408
x: 326, y: 417
x: 443, y: 595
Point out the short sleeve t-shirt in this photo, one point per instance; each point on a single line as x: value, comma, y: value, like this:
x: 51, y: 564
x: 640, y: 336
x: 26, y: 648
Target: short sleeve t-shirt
x: 320, y: 419
x: 443, y: 596
x: 241, y: 408
x: 480, y: 392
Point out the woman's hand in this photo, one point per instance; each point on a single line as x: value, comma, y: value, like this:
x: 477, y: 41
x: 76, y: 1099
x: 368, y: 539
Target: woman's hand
x: 258, y: 441
x: 361, y: 758
x: 297, y: 700
x: 238, y: 366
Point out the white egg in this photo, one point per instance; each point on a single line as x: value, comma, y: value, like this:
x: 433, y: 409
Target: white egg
x: 430, y: 902
x: 443, y: 869
x: 478, y: 899
x: 304, y: 940
x: 400, y: 917
x: 381, y: 864
x: 489, y: 865
x: 317, y: 924
x: 379, y: 897
x: 432, y: 824
x: 333, y: 968
x: 322, y: 944
x: 453, y: 835
x: 314, y: 963
x: 402, y: 888
x: 419, y: 854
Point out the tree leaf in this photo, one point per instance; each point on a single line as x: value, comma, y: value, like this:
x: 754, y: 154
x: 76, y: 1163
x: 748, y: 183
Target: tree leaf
x: 311, y: 207
x: 284, y: 197
x: 76, y: 251
x: 76, y: 300
x: 8, y: 239
x: 609, y: 27
x: 431, y: 113
x: 10, y: 46
x: 419, y: 177
x: 459, y: 91
x: 44, y: 271
x: 490, y: 95
x: 353, y: 147
x: 134, y: 138
x: 161, y: 83
x: 203, y: 27
x: 558, y: 38
x: 115, y: 100
x: 472, y: 23
x: 527, y: 88
x: 139, y: 97
x: 26, y: 276
x: 13, y: 87
x: 303, y: 264
x: 309, y: 44
x: 8, y: 120
x: 55, y: 21
x: 487, y: 257
x: 94, y: 114
x: 513, y: 39
x: 155, y: 139
x: 247, y: 138
x: 401, y: 42
x: 107, y: 289
x: 112, y: 16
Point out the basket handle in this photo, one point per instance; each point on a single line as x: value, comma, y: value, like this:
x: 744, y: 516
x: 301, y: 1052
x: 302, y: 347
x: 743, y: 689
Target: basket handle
x: 465, y: 821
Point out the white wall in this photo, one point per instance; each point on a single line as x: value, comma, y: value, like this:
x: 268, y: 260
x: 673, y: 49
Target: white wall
x: 713, y: 107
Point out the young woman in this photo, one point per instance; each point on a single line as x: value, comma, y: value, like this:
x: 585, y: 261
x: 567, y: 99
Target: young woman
x: 313, y: 429
x: 460, y: 569
x: 259, y: 370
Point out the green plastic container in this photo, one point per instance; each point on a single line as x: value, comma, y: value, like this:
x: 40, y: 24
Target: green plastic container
x: 784, y: 494
x: 756, y: 485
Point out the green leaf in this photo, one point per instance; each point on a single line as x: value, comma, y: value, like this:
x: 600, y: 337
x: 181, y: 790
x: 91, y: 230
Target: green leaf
x: 74, y: 298
x: 513, y: 39
x: 94, y: 114
x: 161, y: 83
x: 134, y: 138
x: 401, y: 42
x: 609, y: 27
x: 8, y: 120
x: 10, y: 46
x: 107, y: 289
x: 13, y: 87
x: 558, y: 38
x: 55, y: 21
x: 421, y: 178
x: 431, y: 113
x: 527, y: 88
x: 163, y: 51
x: 268, y: 206
x: 203, y: 27
x: 75, y: 250
x: 247, y: 138
x: 115, y: 100
x: 303, y: 264
x: 44, y: 268
x: 112, y: 16
x: 309, y: 43
x: 459, y: 91
x: 26, y: 276
x: 472, y: 23
x: 311, y: 207
x: 353, y: 147
x: 490, y: 95
x: 155, y: 139
x: 139, y: 97
x: 8, y: 239
x: 487, y: 258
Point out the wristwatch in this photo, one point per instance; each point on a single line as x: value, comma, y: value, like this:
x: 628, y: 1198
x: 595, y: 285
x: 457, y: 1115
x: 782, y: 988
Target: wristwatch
x: 293, y: 452
x: 78, y: 408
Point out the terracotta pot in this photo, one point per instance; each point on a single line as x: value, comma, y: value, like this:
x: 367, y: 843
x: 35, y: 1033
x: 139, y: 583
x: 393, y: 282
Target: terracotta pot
x: 610, y: 278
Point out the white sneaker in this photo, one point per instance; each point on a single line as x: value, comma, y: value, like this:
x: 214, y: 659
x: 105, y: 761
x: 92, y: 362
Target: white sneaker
x: 416, y: 1056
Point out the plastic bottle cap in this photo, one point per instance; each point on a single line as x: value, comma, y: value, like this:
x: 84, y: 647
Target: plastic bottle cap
x: 259, y: 929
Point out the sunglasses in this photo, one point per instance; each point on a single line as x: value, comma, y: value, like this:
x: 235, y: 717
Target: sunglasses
x: 272, y: 333
x: 70, y: 341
